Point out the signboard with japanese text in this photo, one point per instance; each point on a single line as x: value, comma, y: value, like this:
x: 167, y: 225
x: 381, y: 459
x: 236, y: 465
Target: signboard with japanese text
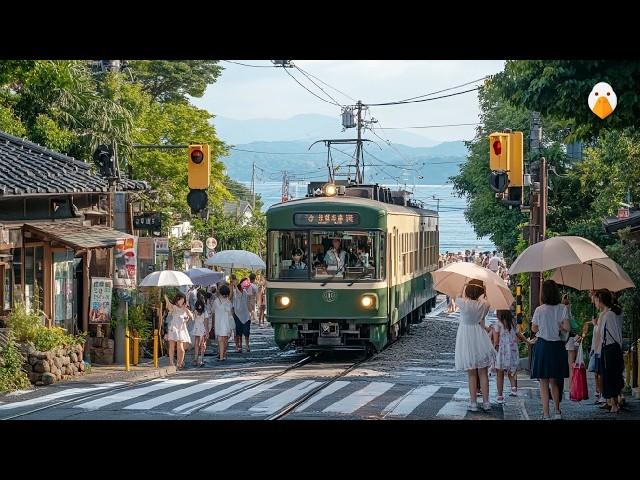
x: 126, y: 263
x: 100, y: 306
x: 197, y: 246
x: 327, y: 219
x: 148, y: 221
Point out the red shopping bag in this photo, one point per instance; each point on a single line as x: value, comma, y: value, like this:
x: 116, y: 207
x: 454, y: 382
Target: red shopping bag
x: 579, y: 378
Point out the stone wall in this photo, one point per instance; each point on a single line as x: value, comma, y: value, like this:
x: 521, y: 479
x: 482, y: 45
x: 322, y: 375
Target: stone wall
x: 101, y: 350
x: 45, y: 368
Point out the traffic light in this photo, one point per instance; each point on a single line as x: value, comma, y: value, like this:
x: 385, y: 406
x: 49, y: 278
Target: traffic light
x: 199, y: 167
x: 506, y: 159
x: 199, y: 171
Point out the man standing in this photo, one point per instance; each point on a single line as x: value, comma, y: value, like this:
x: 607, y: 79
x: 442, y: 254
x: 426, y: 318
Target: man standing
x: 252, y: 293
x: 495, y: 262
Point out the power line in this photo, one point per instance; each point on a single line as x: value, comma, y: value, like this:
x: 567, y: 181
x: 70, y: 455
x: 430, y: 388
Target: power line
x: 326, y: 84
x: 317, y: 96
x: 446, y: 89
x: 430, y: 126
x: 247, y: 65
x: 311, y: 80
x: 420, y: 101
x: 276, y: 153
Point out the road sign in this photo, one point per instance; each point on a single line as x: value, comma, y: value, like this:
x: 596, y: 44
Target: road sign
x: 196, y: 246
x: 212, y: 243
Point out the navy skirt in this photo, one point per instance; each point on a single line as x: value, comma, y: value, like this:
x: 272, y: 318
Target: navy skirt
x: 550, y: 360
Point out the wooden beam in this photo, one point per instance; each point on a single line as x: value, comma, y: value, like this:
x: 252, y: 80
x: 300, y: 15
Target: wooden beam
x: 85, y: 290
x: 49, y: 279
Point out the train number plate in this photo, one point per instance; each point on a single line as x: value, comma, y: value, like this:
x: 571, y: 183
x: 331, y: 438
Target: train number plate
x: 329, y: 329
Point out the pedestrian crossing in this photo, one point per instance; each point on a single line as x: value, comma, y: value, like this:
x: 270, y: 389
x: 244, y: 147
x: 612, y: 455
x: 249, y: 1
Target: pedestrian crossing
x: 250, y: 398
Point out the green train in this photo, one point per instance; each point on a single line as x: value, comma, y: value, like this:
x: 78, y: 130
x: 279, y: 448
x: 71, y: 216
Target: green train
x: 349, y: 267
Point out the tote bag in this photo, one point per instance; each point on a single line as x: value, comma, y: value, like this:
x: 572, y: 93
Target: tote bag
x: 579, y: 378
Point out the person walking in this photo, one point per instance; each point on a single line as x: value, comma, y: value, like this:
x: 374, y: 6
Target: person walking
x: 177, y: 333
x: 241, y: 315
x: 611, y: 358
x: 252, y: 293
x: 550, y: 360
x: 474, y: 351
x: 262, y: 305
x: 505, y: 339
x: 223, y: 319
x: 200, y: 331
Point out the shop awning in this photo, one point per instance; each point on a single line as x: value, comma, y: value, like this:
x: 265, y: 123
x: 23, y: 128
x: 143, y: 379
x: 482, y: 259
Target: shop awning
x: 77, y: 235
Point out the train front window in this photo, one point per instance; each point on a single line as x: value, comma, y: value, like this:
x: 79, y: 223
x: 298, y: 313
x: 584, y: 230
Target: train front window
x: 288, y: 252
x: 348, y: 255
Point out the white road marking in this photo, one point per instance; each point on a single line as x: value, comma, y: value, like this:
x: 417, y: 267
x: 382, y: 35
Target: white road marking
x: 130, y: 394
x: 360, y: 398
x: 58, y: 395
x: 191, y: 406
x: 184, y: 392
x: 410, y: 401
x: 273, y: 404
x: 456, y: 408
x: 229, y: 402
x: 334, y: 387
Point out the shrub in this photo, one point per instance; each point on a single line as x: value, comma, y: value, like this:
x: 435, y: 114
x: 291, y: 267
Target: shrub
x: 12, y: 377
x: 23, y: 324
x: 49, y: 338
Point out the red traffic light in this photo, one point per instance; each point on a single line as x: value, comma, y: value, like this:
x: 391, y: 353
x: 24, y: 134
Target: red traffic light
x: 497, y: 147
x: 197, y: 156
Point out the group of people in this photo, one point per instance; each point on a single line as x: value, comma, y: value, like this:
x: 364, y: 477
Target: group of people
x: 335, y: 258
x: 553, y: 347
x: 223, y: 311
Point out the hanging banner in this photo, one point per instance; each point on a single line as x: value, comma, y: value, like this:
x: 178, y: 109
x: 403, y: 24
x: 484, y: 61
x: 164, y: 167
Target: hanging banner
x: 100, y: 305
x: 126, y: 263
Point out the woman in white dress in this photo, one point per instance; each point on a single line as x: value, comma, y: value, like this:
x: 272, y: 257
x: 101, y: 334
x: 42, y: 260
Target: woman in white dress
x: 177, y: 333
x: 223, y: 320
x: 474, y: 351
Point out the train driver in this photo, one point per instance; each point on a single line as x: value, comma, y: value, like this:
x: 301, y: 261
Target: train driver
x: 297, y: 263
x: 336, y: 257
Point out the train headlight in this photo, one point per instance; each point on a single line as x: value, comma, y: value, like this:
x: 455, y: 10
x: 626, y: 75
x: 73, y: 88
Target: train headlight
x: 283, y: 301
x: 330, y: 190
x: 369, y: 301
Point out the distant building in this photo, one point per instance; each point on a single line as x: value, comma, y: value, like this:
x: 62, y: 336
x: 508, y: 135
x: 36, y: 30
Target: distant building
x: 240, y: 210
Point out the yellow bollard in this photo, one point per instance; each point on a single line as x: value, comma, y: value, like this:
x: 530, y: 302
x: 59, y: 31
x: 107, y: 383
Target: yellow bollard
x: 136, y: 350
x: 127, y: 366
x: 628, y: 368
x: 155, y: 348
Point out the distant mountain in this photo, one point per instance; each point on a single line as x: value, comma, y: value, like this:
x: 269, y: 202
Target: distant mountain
x: 434, y: 164
x: 307, y: 128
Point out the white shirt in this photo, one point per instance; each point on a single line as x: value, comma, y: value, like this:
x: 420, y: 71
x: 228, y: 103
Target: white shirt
x: 548, y: 318
x: 494, y: 263
x: 612, y: 323
x: 337, y: 259
x: 472, y: 311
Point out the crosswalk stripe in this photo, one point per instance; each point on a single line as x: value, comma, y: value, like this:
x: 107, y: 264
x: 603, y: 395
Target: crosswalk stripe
x: 282, y: 399
x: 171, y: 396
x: 360, y: 398
x: 334, y: 387
x: 456, y: 408
x: 223, y: 405
x: 193, y: 405
x: 58, y: 395
x: 131, y: 394
x: 410, y: 401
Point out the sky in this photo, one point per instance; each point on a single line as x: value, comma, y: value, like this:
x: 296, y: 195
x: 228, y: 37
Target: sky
x: 248, y: 93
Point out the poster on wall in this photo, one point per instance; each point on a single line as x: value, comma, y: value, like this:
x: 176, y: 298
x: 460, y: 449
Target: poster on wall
x: 126, y: 263
x: 100, y: 306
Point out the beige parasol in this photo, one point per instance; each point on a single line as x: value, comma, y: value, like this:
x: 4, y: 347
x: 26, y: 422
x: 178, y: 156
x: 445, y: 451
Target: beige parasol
x: 594, y: 275
x: 452, y: 279
x: 554, y: 253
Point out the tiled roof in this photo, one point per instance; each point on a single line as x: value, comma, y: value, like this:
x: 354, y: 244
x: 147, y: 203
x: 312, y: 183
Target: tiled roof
x: 77, y: 235
x: 613, y: 224
x: 27, y: 168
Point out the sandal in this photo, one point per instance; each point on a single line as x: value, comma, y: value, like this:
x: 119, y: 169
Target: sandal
x: 500, y: 399
x: 514, y: 392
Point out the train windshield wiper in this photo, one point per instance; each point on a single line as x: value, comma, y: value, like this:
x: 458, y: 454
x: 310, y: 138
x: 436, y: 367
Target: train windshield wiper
x: 333, y: 276
x: 359, y: 277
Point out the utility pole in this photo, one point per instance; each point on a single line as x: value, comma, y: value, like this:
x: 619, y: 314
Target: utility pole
x: 537, y: 202
x: 359, y: 151
x: 253, y: 184
x: 437, y: 199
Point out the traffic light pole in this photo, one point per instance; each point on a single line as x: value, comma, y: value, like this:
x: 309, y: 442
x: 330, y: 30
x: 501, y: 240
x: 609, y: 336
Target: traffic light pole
x: 538, y: 229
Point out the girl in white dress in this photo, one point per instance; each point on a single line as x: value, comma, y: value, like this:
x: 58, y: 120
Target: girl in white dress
x: 223, y: 320
x: 200, y: 331
x: 178, y: 334
x: 474, y: 351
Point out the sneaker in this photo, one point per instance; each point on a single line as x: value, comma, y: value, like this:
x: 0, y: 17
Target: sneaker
x: 486, y: 406
x: 557, y: 416
x: 546, y: 418
x: 514, y: 392
x: 473, y: 407
x: 500, y: 399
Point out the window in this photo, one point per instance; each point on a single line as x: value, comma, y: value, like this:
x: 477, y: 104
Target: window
x: 281, y: 262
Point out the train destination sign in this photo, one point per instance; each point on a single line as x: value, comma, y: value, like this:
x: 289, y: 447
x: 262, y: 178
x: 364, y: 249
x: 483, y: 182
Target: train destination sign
x: 326, y: 219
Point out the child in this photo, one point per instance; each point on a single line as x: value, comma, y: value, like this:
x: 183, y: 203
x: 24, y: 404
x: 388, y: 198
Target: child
x: 474, y: 352
x: 224, y: 322
x: 505, y: 340
x: 200, y: 330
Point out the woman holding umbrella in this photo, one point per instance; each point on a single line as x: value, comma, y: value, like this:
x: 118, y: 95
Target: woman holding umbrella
x: 178, y: 334
x: 550, y: 360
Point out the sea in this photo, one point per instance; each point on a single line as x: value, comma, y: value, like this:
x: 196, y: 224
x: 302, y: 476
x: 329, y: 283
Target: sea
x: 456, y: 234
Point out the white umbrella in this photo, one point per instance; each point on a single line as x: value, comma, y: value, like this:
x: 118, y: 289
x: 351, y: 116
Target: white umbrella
x: 204, y: 276
x: 594, y: 275
x: 166, y: 278
x: 452, y: 279
x: 237, y: 259
x: 556, y: 252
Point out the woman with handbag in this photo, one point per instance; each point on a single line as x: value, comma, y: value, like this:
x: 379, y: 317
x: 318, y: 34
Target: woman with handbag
x: 611, y: 357
x: 550, y: 323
